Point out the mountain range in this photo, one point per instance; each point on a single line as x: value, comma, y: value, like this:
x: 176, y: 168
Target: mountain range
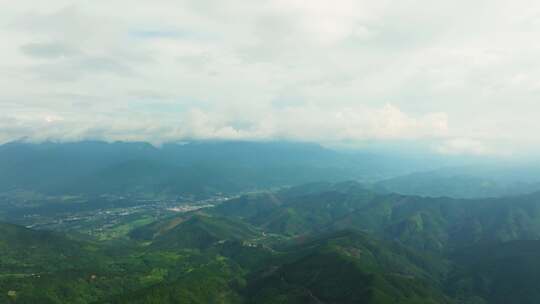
x: 315, y: 243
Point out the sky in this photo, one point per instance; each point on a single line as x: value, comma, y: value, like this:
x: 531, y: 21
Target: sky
x: 460, y: 77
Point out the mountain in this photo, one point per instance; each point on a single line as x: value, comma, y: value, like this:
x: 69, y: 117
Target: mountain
x: 342, y: 267
x: 348, y: 267
x: 497, y: 272
x: 421, y: 222
x: 24, y: 251
x: 189, y: 168
x: 319, y: 242
x: 314, y: 243
x: 250, y: 205
x: 45, y: 267
x: 43, y: 167
x: 467, y: 182
x: 195, y: 168
x: 31, y: 262
x: 195, y: 231
x: 214, y: 281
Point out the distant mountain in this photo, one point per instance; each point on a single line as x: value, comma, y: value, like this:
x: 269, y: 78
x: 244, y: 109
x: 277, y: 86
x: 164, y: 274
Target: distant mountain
x: 46, y: 166
x: 195, y: 168
x: 469, y: 182
x: 184, y: 168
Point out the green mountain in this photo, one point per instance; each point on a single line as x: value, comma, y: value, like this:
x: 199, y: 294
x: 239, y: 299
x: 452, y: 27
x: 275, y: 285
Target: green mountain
x: 250, y: 205
x: 348, y: 267
x: 234, y: 264
x: 343, y: 267
x: 196, y: 231
x: 421, y: 222
x: 44, y: 267
x: 314, y: 243
x: 23, y: 250
x: 497, y: 273
x: 215, y: 281
x: 37, y: 266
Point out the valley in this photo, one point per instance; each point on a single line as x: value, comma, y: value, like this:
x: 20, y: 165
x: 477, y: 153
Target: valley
x: 114, y: 217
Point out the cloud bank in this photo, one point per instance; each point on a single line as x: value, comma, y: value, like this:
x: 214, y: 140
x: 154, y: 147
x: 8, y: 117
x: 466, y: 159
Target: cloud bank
x: 463, y: 75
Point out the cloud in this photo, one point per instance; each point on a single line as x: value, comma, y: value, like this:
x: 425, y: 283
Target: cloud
x: 464, y: 146
x: 48, y: 50
x: 290, y: 123
x: 458, y: 74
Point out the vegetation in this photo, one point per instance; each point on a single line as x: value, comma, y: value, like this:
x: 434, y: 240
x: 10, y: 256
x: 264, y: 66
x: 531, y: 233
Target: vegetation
x: 315, y: 243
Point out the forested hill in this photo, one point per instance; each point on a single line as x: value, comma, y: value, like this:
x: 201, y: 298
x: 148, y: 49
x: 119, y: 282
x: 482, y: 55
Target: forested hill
x: 422, y: 222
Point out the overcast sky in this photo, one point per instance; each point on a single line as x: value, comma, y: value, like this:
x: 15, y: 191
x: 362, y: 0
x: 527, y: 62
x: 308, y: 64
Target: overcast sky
x: 462, y: 76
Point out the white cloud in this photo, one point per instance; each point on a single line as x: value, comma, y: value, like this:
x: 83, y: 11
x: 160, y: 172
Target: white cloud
x: 294, y: 123
x: 464, y: 146
x: 310, y: 70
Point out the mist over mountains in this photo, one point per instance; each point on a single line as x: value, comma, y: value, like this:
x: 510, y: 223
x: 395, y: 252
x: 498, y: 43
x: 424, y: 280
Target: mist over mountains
x: 203, y: 168
x: 189, y: 168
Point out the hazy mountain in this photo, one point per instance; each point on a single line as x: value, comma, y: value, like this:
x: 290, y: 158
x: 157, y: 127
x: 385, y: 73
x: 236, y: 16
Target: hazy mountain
x: 466, y: 182
x: 185, y: 168
x: 97, y: 167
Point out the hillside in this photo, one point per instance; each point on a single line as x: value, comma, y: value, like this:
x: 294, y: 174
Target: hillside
x: 44, y: 267
x: 347, y: 267
x: 196, y: 231
x: 499, y: 273
x: 24, y: 251
x: 343, y: 267
x: 39, y: 265
x: 421, y: 222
